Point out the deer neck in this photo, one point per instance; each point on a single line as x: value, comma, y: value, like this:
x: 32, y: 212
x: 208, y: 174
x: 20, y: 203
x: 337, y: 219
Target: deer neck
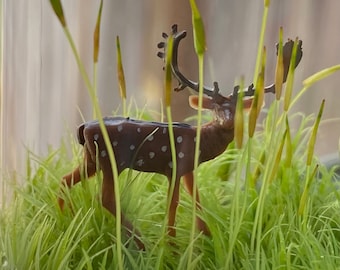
x: 215, y: 137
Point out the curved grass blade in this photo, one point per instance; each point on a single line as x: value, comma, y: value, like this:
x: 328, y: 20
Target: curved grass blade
x: 320, y: 75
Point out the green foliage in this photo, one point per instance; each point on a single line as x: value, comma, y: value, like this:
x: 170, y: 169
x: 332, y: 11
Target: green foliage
x: 35, y: 234
x: 198, y: 29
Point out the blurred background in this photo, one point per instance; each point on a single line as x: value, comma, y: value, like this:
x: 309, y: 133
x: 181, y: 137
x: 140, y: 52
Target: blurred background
x: 43, y: 96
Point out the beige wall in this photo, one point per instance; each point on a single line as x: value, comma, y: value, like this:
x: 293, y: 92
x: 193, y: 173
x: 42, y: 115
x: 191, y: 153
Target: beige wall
x: 43, y: 92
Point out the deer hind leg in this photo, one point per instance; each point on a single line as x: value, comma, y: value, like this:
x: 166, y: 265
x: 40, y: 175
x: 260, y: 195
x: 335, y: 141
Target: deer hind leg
x: 173, y: 207
x: 87, y: 170
x: 189, y: 185
x: 109, y: 202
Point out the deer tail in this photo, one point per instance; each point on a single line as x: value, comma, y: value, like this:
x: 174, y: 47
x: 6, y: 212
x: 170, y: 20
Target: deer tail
x: 80, y: 135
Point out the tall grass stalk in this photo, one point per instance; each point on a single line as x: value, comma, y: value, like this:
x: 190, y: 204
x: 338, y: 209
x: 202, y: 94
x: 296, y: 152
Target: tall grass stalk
x: 261, y: 40
x: 167, y: 102
x: 254, y: 112
x: 96, y: 42
x: 200, y: 47
x: 57, y: 6
x: 237, y: 211
x: 290, y: 78
x: 310, y: 155
x: 2, y: 124
x: 121, y: 77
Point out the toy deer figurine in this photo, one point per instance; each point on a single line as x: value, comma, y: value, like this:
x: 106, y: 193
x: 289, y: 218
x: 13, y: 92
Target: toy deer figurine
x: 145, y: 146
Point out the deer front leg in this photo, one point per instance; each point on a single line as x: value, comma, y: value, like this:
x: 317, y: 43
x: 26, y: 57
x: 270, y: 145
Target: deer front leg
x: 173, y: 207
x: 189, y: 184
x: 109, y: 202
x: 87, y: 169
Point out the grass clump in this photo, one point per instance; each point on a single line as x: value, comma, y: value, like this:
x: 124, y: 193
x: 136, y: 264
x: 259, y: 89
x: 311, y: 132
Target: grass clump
x: 35, y: 234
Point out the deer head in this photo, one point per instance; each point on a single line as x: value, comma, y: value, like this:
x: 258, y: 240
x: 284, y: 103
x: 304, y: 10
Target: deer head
x: 144, y: 146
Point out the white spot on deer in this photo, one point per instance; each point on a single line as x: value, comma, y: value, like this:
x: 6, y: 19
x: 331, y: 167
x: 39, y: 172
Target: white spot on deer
x: 96, y: 137
x: 164, y: 130
x: 179, y: 139
x: 150, y: 138
x: 170, y: 164
x: 139, y: 130
x: 151, y: 155
x: 120, y: 128
x: 164, y: 148
x: 181, y: 155
x: 132, y: 147
x: 122, y: 164
x: 140, y: 162
x: 103, y: 153
x: 114, y: 143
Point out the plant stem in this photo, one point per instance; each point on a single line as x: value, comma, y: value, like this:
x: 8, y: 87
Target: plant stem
x: 97, y: 112
x: 261, y: 42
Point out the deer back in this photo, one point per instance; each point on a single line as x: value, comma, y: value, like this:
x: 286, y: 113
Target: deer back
x: 140, y: 145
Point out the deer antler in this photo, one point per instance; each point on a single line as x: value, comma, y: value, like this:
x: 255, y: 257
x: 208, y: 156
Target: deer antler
x: 182, y: 80
x: 214, y: 91
x: 287, y: 54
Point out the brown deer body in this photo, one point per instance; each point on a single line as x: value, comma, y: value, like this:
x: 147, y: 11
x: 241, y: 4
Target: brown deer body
x: 145, y: 146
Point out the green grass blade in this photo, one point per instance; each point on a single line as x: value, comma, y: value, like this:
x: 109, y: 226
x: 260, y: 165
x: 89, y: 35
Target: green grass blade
x: 198, y: 29
x: 96, y: 34
x: 239, y: 118
x: 167, y: 102
x: 200, y: 47
x: 58, y: 10
x: 311, y: 144
x: 279, y: 67
x: 121, y: 76
x: 320, y: 75
x: 278, y: 158
x: 258, y: 97
x: 97, y: 112
x: 304, y: 196
x: 261, y: 41
x: 289, y: 146
x: 96, y: 42
x: 290, y: 77
x: 310, y: 155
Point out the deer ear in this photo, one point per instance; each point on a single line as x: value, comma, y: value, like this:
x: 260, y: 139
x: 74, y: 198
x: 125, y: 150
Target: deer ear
x: 247, y: 103
x: 207, y: 103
